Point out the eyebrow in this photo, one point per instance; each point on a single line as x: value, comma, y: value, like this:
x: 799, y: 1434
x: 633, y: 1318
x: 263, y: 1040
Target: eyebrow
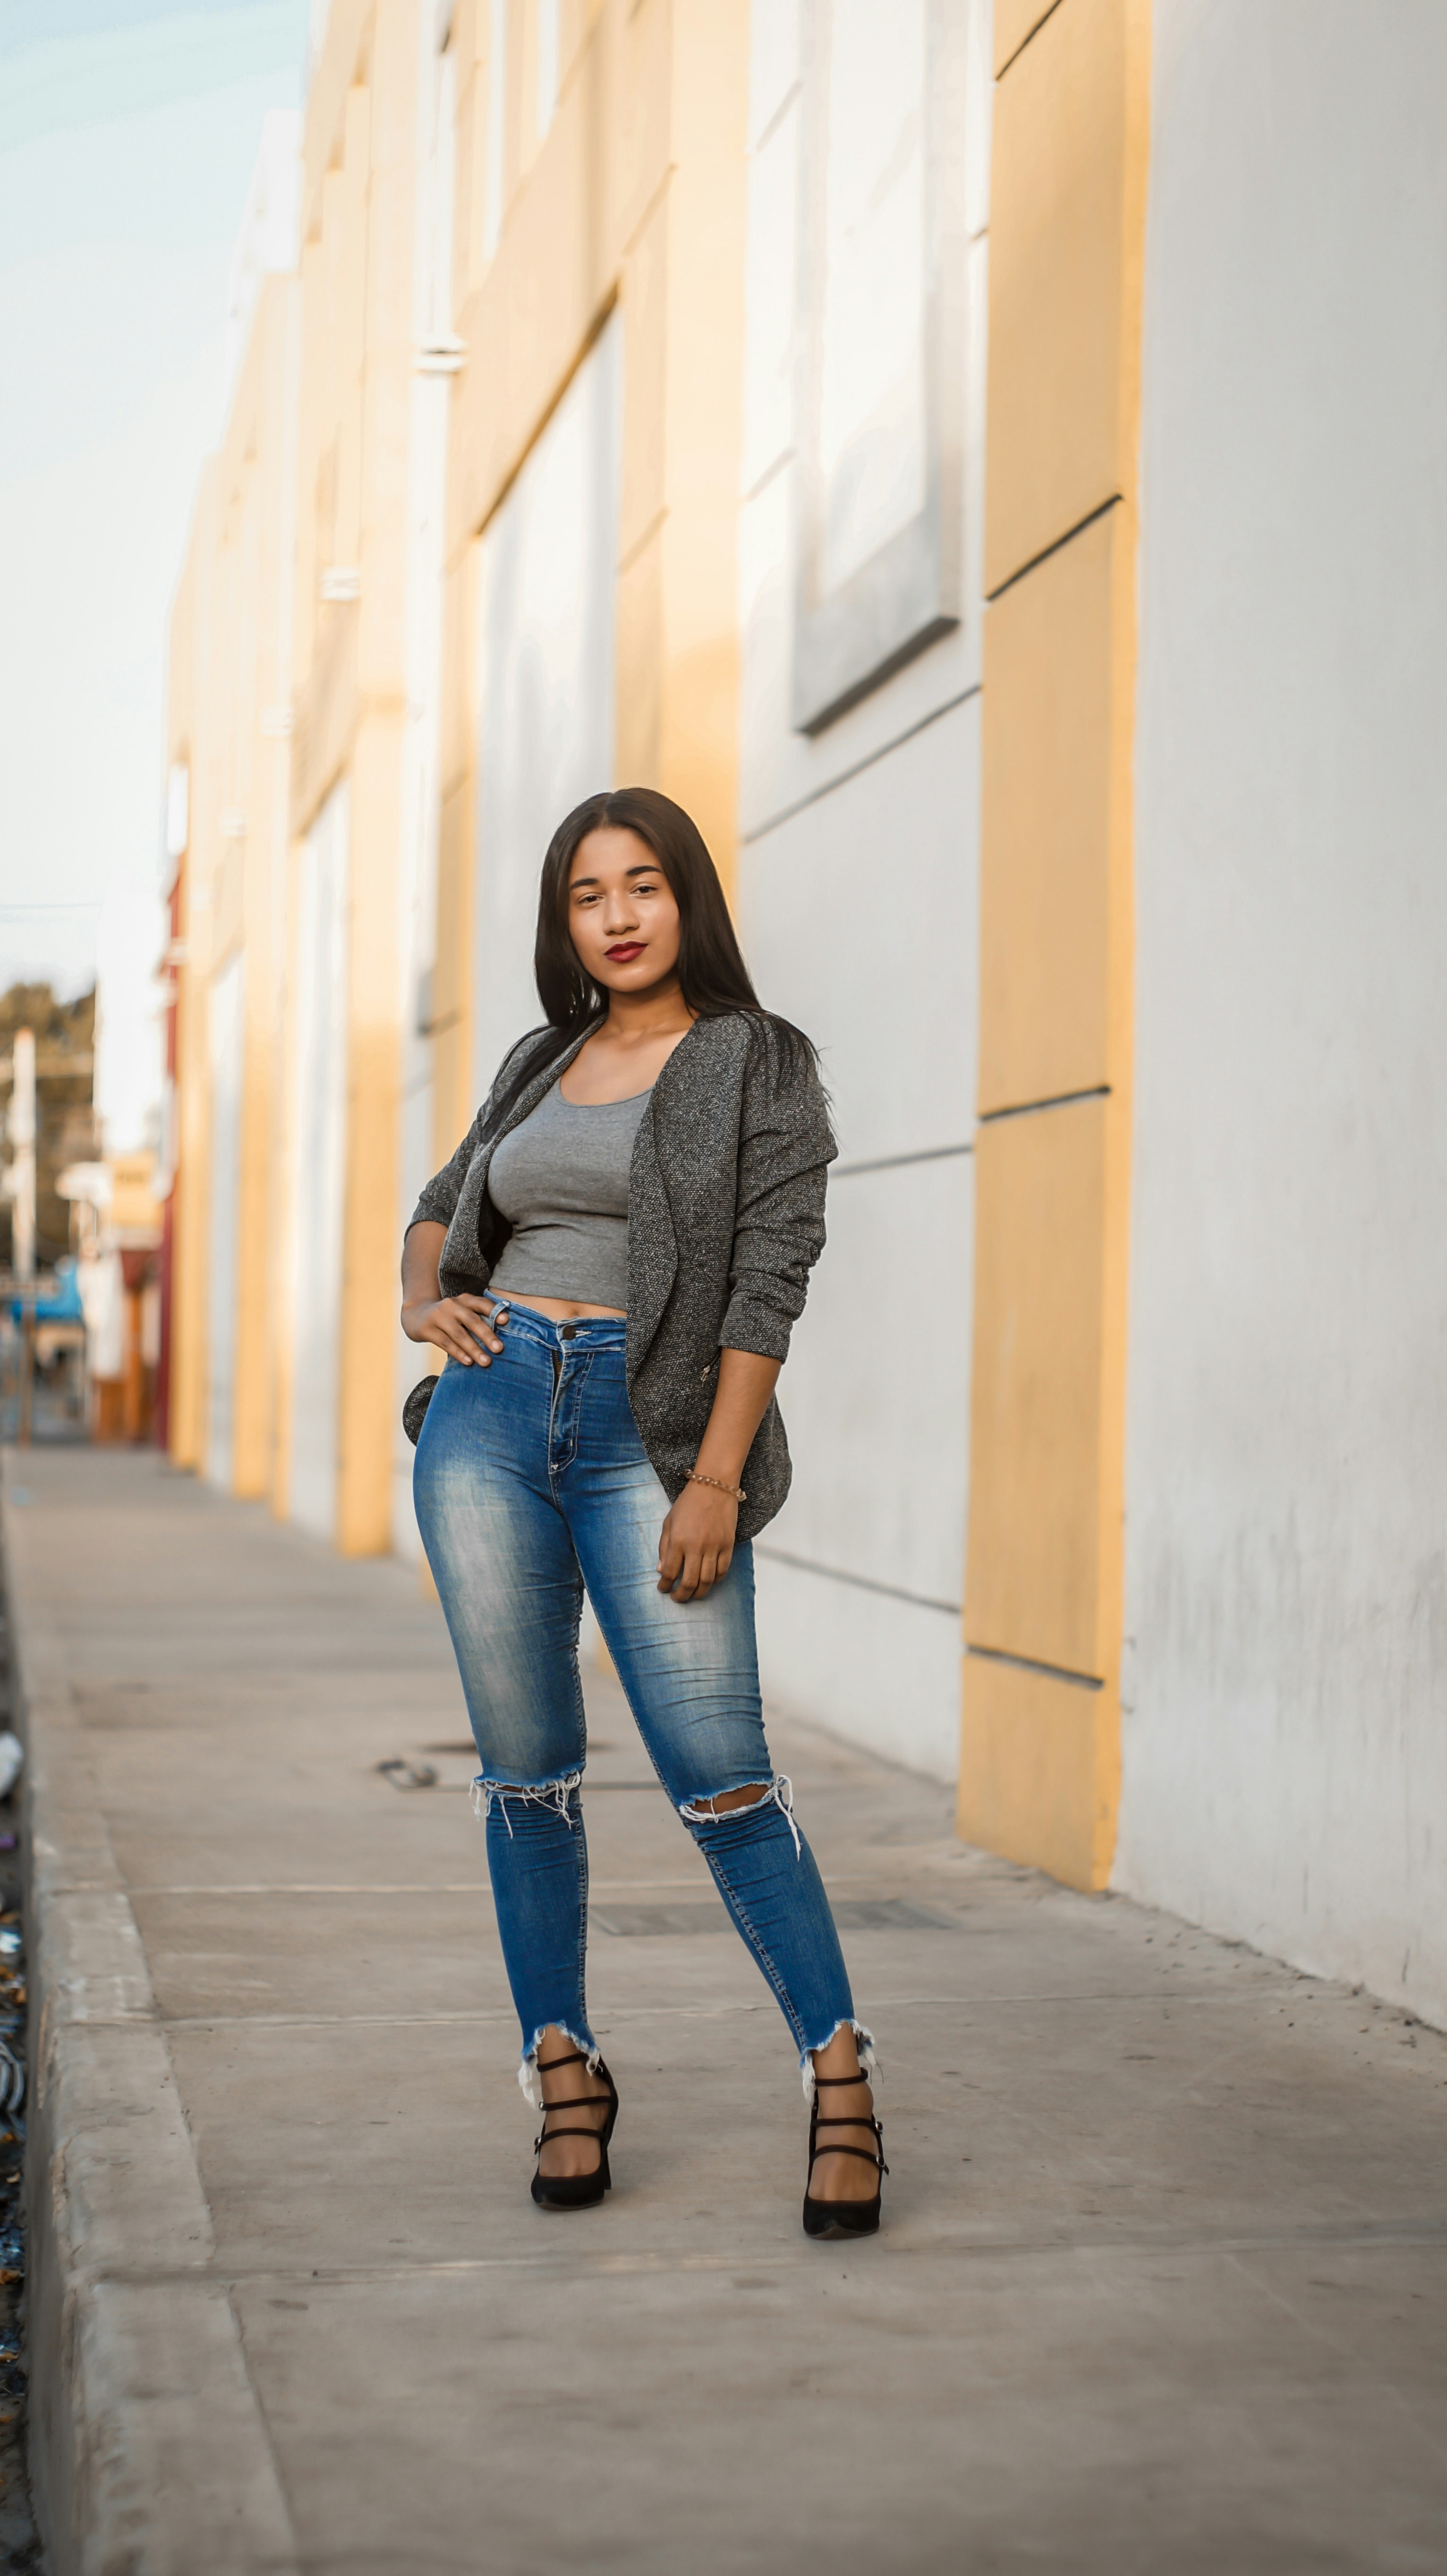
x: 640, y: 868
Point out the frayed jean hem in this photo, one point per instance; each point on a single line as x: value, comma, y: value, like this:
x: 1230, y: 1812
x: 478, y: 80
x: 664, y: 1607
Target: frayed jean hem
x: 528, y: 2077
x: 863, y: 2041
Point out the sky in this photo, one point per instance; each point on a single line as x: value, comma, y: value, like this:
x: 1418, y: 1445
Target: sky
x: 128, y: 133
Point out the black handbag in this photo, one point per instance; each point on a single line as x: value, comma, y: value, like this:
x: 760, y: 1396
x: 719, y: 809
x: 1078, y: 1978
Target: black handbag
x: 416, y: 1406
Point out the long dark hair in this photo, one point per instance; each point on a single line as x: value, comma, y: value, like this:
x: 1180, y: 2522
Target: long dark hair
x: 711, y: 969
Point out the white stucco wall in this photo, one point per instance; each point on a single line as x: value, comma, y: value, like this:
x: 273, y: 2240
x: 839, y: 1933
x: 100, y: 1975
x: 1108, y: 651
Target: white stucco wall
x: 1285, y: 1742
x: 545, y: 729
x: 858, y: 897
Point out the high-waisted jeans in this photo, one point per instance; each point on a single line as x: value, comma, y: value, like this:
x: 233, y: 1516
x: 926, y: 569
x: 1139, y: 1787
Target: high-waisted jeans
x: 531, y: 1484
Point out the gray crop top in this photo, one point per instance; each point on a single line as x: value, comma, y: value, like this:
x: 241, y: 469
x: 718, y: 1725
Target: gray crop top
x: 561, y: 1180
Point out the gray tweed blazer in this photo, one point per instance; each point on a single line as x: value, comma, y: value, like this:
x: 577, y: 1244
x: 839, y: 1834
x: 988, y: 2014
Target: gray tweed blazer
x: 725, y: 1223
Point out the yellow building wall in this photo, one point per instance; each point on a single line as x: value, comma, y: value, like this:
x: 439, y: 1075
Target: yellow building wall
x: 191, y: 731
x: 359, y: 189
x: 230, y: 719
x: 1040, y: 1746
x: 290, y: 633
x: 257, y: 471
x: 180, y: 679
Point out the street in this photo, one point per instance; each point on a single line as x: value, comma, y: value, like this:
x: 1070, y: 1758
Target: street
x: 1161, y: 2284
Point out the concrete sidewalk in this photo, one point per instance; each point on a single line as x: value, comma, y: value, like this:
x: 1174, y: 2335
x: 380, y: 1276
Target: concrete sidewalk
x: 1161, y: 2290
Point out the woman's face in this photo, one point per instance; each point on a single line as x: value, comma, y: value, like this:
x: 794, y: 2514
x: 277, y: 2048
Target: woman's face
x: 621, y: 912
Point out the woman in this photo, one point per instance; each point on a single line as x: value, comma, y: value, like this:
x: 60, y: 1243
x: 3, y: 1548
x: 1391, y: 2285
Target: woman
x: 612, y: 1262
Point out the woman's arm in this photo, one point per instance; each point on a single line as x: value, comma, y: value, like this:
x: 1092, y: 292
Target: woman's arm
x: 785, y: 1149
x: 461, y: 1326
x: 696, y: 1548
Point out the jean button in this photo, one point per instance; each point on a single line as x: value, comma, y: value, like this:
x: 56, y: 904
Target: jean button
x: 567, y: 1332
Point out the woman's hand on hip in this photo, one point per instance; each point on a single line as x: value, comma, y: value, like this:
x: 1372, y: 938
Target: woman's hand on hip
x: 696, y: 1548
x: 461, y: 1326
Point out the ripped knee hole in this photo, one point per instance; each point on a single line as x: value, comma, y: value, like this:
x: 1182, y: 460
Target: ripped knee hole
x: 757, y: 1793
x: 726, y: 1800
x: 555, y: 1796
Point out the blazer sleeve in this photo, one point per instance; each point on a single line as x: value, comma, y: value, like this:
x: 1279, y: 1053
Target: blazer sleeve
x: 438, y: 1202
x: 785, y: 1149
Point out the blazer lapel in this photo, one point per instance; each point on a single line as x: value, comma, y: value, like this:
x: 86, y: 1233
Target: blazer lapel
x: 652, y: 1242
x: 652, y: 1236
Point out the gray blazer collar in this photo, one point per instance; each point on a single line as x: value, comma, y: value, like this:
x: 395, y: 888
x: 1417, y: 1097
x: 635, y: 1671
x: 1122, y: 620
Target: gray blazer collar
x: 650, y: 1216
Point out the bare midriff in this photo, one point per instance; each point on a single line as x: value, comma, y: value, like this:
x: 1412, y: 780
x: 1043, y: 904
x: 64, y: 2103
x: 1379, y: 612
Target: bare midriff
x: 563, y: 1310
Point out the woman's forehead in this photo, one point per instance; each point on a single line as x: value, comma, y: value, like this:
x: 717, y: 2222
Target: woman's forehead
x: 610, y: 851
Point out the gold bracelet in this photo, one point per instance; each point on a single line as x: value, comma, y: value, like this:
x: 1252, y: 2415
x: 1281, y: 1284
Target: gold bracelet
x: 737, y: 1491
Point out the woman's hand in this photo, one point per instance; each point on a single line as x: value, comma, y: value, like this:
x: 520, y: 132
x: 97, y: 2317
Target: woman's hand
x: 461, y: 1326
x: 696, y: 1548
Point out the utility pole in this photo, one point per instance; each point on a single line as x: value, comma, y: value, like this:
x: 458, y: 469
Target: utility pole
x: 22, y: 1216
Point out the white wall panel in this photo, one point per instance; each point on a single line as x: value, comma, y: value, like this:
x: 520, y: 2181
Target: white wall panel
x: 1285, y: 1750
x: 858, y: 902
x: 876, y: 1391
x: 859, y: 918
x: 774, y: 38
x: 770, y: 286
x: 545, y: 722
x: 783, y: 768
x: 882, y: 1673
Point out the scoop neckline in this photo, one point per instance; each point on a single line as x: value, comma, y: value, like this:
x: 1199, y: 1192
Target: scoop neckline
x: 628, y: 1097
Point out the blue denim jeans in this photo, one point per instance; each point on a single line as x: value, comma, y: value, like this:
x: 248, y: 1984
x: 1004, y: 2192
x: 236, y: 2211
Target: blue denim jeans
x: 532, y: 1484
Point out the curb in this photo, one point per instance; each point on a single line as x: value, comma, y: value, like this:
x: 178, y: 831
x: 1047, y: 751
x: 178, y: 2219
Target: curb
x: 149, y: 2455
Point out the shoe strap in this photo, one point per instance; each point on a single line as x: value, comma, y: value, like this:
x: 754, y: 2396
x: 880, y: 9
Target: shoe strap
x: 825, y: 2121
x: 862, y: 2153
x: 579, y: 2057
x: 580, y: 2102
x: 545, y: 2137
x: 860, y: 2078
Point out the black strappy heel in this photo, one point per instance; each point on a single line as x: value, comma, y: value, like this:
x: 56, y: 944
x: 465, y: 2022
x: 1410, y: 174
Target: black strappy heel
x: 575, y: 2191
x: 842, y: 2217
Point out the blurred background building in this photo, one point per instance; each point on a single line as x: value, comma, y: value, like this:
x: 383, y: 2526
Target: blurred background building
x: 983, y: 465
x: 80, y: 1238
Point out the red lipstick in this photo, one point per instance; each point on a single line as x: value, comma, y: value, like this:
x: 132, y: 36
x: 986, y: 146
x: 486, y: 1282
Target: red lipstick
x: 625, y: 952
